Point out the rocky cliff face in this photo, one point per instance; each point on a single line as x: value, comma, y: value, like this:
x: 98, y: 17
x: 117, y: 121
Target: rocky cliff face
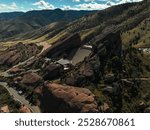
x: 59, y: 98
x: 105, y: 47
x: 63, y: 48
x: 18, y: 53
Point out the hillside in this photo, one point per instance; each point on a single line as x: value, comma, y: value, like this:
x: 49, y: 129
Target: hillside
x: 35, y: 19
x: 126, y: 16
x: 7, y: 16
x: 139, y: 35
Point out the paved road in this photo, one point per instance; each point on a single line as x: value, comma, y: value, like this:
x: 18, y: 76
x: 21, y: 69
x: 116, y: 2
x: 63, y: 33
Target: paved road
x: 13, y: 92
x: 21, y: 99
x: 142, y: 79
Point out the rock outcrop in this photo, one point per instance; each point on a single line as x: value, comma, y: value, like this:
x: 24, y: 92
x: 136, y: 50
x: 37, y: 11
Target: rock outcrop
x: 18, y: 53
x: 31, y: 79
x: 15, y: 70
x: 62, y: 48
x: 59, y: 98
x: 105, y: 46
x: 108, y: 44
x: 86, y: 72
x: 52, y: 71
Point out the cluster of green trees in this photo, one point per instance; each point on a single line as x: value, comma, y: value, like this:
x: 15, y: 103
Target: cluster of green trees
x: 6, y: 99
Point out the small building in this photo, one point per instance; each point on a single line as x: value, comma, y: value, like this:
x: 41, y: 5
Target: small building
x: 66, y: 63
x: 63, y: 61
x: 87, y: 47
x: 20, y: 92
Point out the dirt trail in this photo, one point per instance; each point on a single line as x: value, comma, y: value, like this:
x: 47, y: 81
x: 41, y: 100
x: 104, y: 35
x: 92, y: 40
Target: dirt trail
x: 45, y: 45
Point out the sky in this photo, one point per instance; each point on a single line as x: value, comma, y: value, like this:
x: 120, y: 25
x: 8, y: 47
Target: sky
x: 27, y: 5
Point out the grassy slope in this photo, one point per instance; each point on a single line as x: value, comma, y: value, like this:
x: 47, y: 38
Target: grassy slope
x: 139, y: 35
x: 121, y: 15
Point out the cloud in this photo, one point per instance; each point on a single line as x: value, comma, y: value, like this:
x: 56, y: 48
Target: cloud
x: 43, y: 5
x: 68, y: 7
x: 117, y: 2
x: 78, y: 5
x: 89, y: 0
x: 125, y: 1
x: 75, y: 0
x: 8, y: 7
x: 92, y: 6
x: 86, y: 6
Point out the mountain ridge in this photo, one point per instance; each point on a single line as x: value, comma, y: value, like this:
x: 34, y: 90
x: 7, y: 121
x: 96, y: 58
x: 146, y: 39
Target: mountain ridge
x: 35, y: 19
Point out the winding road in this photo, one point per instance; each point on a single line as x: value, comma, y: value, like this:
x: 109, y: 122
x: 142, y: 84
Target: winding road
x: 21, y: 99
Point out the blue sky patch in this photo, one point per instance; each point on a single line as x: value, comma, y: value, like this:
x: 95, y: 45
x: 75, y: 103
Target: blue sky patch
x: 26, y: 5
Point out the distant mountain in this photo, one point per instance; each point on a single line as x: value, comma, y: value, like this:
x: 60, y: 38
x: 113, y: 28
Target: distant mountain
x: 7, y: 16
x: 35, y: 19
x: 128, y: 17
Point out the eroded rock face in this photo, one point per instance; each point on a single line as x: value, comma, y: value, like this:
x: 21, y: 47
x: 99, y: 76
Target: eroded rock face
x: 63, y: 47
x: 59, y: 98
x: 15, y: 70
x: 87, y: 72
x: 52, y: 71
x: 108, y: 44
x: 31, y: 79
x: 105, y: 47
x: 18, y: 53
x: 17, y: 79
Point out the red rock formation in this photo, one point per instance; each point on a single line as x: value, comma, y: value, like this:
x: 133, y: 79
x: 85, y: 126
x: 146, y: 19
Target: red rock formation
x: 59, y: 98
x: 18, y: 53
x: 61, y: 47
x: 31, y: 78
x: 15, y: 70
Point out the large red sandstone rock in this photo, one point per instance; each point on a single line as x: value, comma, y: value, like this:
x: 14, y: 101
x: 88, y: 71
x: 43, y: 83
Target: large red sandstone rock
x: 15, y: 70
x: 31, y: 78
x: 59, y: 98
x: 61, y: 47
x: 86, y: 72
x: 18, y: 53
x: 52, y: 71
